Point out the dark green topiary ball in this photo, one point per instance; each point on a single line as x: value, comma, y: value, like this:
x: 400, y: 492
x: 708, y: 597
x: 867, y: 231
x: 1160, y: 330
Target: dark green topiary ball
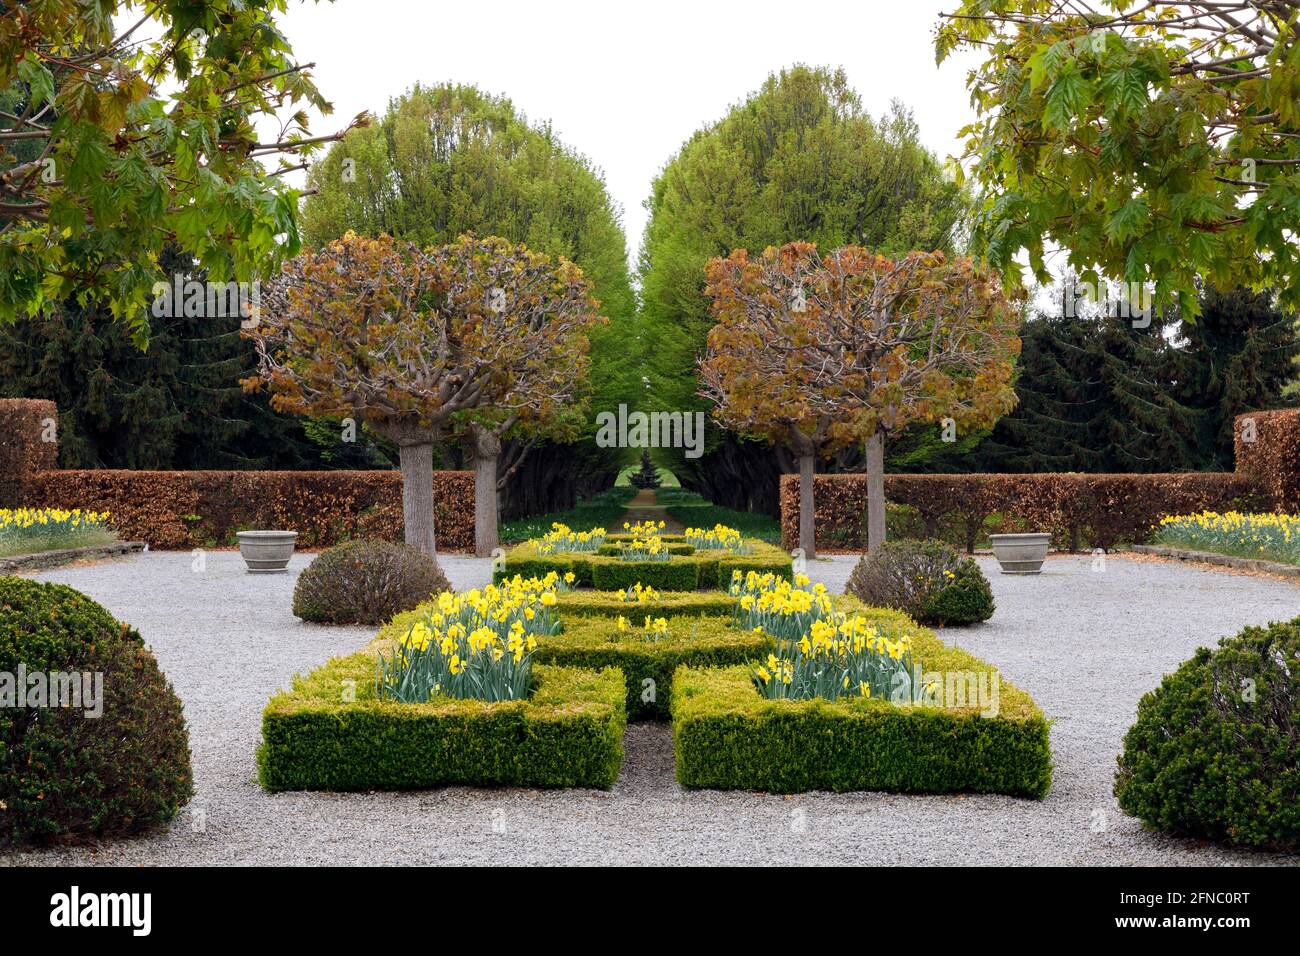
x: 1215, y: 750
x: 68, y: 777
x: 366, y: 582
x: 926, y: 579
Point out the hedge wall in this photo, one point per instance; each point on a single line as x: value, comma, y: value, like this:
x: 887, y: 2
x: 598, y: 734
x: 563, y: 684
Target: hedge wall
x: 728, y: 737
x: 185, y: 509
x: 701, y: 570
x: 568, y: 733
x: 1272, y: 458
x: 22, y: 451
x: 1080, y: 510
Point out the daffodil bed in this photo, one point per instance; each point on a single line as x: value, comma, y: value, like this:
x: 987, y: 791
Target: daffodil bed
x: 643, y: 654
x: 448, y: 693
x: 567, y: 733
x: 703, y: 570
x: 494, y: 686
x: 35, y: 530
x: 672, y: 547
x: 728, y: 736
x: 1272, y: 537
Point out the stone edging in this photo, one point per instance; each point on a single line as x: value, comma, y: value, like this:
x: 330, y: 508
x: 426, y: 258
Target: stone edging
x: 52, y: 559
x: 1225, y: 560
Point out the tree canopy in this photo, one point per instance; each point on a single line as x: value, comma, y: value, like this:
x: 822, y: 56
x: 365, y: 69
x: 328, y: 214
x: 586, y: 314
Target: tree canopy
x: 1158, y: 143
x: 1096, y: 394
x: 125, y: 126
x: 177, y: 404
x: 448, y: 160
x: 798, y: 160
x: 821, y: 352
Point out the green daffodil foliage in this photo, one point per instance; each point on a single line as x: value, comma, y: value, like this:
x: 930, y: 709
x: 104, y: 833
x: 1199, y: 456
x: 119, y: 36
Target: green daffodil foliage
x: 1156, y: 143
x: 125, y: 126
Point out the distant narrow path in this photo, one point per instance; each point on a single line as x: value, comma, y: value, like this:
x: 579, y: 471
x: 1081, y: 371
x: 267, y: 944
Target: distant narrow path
x: 645, y: 507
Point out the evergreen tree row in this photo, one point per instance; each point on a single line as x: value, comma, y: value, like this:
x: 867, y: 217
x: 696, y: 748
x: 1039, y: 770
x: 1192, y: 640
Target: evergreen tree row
x: 1097, y: 394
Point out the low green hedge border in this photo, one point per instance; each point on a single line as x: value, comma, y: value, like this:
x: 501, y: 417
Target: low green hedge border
x: 703, y: 570
x: 648, y: 666
x: 586, y: 603
x: 568, y: 733
x: 728, y: 737
x: 613, y: 550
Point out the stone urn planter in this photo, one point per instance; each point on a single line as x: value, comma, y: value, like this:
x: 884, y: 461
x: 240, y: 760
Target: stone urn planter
x: 266, y: 552
x: 1021, y: 553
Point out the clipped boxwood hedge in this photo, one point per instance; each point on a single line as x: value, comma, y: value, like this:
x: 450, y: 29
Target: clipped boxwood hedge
x: 1215, y: 749
x: 568, y: 733
x: 728, y: 737
x: 701, y: 570
x: 666, y: 604
x: 679, y: 574
x: 613, y: 550
x: 698, y: 642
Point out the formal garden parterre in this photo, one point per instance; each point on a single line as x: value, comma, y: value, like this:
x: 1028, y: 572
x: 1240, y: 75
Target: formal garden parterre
x: 434, y: 361
x: 762, y: 636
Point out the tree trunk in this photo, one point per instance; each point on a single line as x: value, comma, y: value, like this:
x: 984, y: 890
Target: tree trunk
x: 417, y: 496
x: 875, y: 492
x: 487, y: 449
x: 807, y: 527
x: 415, y: 455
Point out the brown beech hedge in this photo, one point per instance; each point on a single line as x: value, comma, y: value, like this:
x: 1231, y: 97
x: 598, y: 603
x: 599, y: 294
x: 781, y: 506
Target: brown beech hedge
x: 1095, y: 511
x: 1268, y: 451
x: 24, y: 449
x: 183, y: 509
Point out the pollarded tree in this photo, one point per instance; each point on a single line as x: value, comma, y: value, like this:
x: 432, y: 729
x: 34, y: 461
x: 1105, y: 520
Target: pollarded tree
x: 449, y: 159
x: 824, y: 352
x: 480, y: 335
x: 1156, y: 142
x: 799, y: 158
x: 529, y: 319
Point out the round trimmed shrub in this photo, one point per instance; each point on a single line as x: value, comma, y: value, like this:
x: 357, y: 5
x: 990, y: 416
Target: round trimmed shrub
x: 366, y: 582
x: 1215, y: 749
x: 926, y: 579
x: 66, y: 776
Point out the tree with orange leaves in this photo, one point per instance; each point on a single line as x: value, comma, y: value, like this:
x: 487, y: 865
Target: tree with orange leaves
x: 481, y: 337
x: 824, y: 352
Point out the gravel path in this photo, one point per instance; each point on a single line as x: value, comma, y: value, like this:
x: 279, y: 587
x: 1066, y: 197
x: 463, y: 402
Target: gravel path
x: 1086, y: 644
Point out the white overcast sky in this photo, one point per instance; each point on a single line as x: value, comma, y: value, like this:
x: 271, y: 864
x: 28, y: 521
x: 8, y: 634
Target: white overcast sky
x: 626, y: 84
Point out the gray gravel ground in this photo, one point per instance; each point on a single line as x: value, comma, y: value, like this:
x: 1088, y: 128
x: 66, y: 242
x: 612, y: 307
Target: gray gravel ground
x: 1086, y: 644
